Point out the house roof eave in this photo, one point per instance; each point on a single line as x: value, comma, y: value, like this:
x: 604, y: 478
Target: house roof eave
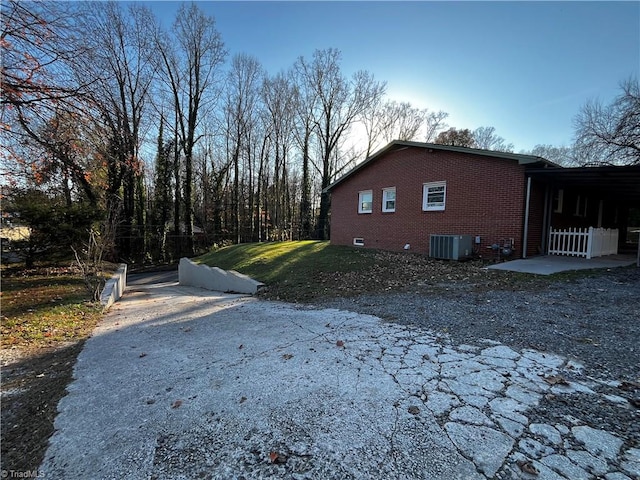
x: 401, y: 144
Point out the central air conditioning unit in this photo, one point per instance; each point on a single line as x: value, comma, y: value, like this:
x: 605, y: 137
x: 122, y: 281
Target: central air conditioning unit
x: 450, y: 247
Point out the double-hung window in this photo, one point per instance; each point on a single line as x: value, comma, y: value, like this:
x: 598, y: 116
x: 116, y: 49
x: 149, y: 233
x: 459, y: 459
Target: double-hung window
x: 434, y: 196
x: 365, y: 201
x: 389, y: 199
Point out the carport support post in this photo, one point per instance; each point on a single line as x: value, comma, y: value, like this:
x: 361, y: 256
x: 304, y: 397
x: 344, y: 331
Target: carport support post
x: 546, y: 217
x: 526, y: 219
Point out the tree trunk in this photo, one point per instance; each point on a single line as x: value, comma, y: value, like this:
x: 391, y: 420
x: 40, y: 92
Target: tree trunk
x: 305, y: 204
x: 323, y: 217
x: 188, y: 203
x: 177, y: 250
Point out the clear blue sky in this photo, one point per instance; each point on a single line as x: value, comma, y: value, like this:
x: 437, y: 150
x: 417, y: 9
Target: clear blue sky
x: 525, y: 68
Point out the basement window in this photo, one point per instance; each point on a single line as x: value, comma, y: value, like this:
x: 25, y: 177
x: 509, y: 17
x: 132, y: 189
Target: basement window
x: 434, y: 196
x: 365, y: 201
x: 389, y: 199
x: 358, y: 242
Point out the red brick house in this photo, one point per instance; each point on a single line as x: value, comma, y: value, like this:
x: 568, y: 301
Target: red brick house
x: 408, y: 192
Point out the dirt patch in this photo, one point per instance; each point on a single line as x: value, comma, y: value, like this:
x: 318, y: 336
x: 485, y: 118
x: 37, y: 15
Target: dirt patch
x: 400, y: 272
x: 33, y: 381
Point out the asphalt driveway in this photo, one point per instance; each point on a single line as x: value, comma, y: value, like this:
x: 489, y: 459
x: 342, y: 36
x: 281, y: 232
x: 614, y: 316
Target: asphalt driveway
x: 179, y: 382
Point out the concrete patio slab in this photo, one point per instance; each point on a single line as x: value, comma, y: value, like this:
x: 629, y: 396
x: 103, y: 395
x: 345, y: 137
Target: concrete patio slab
x: 550, y: 264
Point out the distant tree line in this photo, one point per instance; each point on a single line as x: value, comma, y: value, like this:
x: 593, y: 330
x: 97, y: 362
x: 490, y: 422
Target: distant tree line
x: 168, y: 144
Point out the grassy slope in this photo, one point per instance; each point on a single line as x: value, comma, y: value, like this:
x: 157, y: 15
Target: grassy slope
x: 294, y: 270
x: 307, y: 270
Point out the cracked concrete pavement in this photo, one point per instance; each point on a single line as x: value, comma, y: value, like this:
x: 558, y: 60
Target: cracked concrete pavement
x: 179, y: 382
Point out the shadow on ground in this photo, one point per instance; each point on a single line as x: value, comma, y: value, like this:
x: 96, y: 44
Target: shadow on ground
x: 31, y: 389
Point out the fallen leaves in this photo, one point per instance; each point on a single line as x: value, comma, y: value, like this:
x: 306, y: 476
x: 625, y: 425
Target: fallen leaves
x: 633, y: 388
x: 383, y: 271
x: 556, y: 380
x: 339, y: 343
x: 276, y: 457
x: 287, y: 356
x: 629, y: 386
x: 413, y: 410
x: 176, y: 404
x: 527, y: 467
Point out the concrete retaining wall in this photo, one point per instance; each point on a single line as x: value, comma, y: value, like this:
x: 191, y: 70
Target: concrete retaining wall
x: 114, y: 288
x: 214, y: 278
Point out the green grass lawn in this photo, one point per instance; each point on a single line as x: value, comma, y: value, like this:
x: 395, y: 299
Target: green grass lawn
x: 39, y: 310
x: 300, y: 267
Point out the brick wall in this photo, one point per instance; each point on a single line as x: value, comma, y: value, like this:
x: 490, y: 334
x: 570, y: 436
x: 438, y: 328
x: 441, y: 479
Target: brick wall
x: 484, y: 196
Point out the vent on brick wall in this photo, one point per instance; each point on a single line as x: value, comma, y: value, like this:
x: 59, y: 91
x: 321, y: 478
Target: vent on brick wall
x: 450, y: 247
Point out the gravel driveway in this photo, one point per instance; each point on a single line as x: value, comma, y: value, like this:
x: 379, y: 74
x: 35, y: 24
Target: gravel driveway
x: 181, y: 383
x: 594, y: 318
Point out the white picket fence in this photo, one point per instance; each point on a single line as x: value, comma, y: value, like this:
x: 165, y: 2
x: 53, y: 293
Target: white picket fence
x: 583, y: 242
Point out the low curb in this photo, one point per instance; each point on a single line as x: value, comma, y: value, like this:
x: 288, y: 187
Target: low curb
x: 114, y: 288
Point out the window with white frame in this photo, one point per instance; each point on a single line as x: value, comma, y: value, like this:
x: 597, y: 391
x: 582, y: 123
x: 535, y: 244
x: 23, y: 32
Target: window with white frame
x: 434, y: 195
x: 389, y: 199
x: 365, y: 201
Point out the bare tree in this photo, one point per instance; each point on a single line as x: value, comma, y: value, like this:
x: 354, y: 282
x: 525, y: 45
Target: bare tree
x: 340, y: 102
x: 305, y: 106
x: 435, y: 124
x: 213, y: 172
x: 410, y: 120
x: 240, y: 109
x: 565, y: 156
x: 162, y: 192
x: 393, y: 120
x: 486, y: 138
x: 121, y: 63
x: 279, y: 99
x: 191, y: 60
x: 375, y: 124
x: 610, y: 134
